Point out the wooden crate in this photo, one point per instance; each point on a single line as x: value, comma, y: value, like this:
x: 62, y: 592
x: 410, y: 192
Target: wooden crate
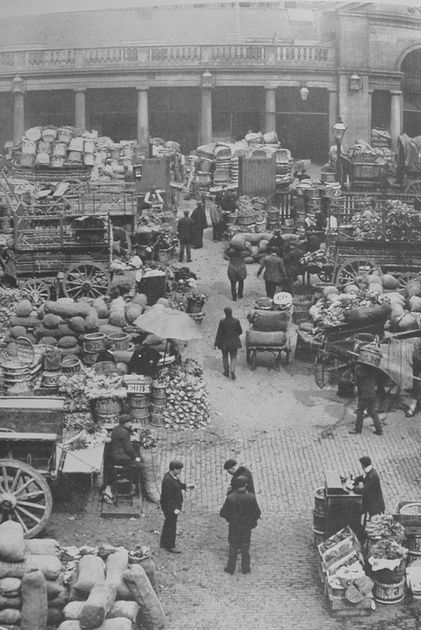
x: 340, y: 607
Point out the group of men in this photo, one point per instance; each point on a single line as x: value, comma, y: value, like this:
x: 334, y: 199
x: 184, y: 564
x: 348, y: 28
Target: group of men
x: 240, y: 510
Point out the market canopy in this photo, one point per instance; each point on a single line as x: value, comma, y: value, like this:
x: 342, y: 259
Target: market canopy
x: 168, y: 323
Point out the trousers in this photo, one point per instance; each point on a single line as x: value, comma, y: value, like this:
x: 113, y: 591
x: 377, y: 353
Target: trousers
x: 229, y: 360
x: 239, y: 539
x: 185, y: 246
x: 271, y: 288
x: 234, y: 288
x: 169, y: 531
x: 370, y: 405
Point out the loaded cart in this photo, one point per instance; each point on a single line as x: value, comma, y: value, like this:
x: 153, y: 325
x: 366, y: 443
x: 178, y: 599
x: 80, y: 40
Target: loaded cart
x: 268, y: 332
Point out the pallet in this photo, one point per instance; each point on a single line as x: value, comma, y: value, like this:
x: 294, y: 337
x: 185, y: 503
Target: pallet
x: 123, y: 509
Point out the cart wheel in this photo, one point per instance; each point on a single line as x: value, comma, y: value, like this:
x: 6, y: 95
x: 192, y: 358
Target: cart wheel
x: 25, y: 496
x: 404, y: 279
x: 414, y: 188
x: 325, y: 275
x: 253, y: 360
x: 324, y: 369
x: 86, y: 279
x: 355, y: 271
x: 36, y: 291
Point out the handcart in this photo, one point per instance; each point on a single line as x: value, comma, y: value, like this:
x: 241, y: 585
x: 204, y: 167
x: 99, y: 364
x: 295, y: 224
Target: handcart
x: 268, y: 332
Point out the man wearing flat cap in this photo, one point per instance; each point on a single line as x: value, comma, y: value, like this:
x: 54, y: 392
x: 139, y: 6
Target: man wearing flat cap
x: 235, y: 470
x: 241, y: 512
x: 370, y: 487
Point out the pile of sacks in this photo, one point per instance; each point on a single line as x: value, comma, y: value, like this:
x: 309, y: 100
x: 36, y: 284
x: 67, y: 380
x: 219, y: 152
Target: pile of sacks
x: 65, y: 323
x: 112, y: 590
x: 32, y: 593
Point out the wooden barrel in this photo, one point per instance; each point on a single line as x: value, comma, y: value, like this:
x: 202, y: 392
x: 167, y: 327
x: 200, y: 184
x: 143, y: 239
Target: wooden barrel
x: 94, y: 342
x: 414, y: 543
x: 319, y: 522
x: 49, y: 380
x: 157, y: 415
x: 70, y: 364
x: 119, y: 341
x: 107, y: 406
x: 319, y: 536
x: 89, y: 358
x: 389, y: 593
x: 159, y: 396
x: 320, y: 501
x: 139, y: 407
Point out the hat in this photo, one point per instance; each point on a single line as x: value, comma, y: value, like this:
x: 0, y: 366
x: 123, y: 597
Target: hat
x: 230, y: 463
x: 124, y: 418
x: 365, y: 461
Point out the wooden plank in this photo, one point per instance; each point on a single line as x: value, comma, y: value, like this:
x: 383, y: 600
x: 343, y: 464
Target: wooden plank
x: 34, y: 437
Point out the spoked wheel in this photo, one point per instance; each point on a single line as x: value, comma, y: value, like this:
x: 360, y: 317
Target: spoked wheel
x: 414, y: 188
x: 86, y: 279
x: 355, y: 271
x: 36, y: 291
x: 405, y: 278
x: 25, y: 497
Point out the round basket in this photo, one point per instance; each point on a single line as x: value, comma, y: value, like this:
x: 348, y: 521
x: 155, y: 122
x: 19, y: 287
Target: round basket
x: 49, y: 380
x: 107, y: 406
x: 94, y: 342
x: 119, y: 341
x: 52, y: 358
x: 260, y: 226
x: 107, y: 418
x: 20, y: 351
x: 70, y: 364
x: 89, y: 358
x: 105, y: 367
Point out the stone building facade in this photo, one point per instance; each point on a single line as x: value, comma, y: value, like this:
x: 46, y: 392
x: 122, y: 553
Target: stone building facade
x: 197, y: 72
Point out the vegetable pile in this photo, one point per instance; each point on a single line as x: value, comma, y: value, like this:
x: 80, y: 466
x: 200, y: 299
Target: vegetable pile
x: 388, y: 550
x: 187, y: 398
x: 399, y: 223
x: 384, y: 526
x: 8, y: 300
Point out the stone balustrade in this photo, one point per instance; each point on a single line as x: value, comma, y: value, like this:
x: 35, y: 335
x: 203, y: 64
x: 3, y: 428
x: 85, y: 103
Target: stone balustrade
x: 28, y: 62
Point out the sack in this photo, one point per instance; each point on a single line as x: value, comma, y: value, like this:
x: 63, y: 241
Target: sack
x: 10, y: 587
x: 149, y: 474
x: 270, y: 321
x: 260, y: 338
x: 91, y: 571
x: 42, y: 547
x: 151, y: 613
x: 12, y: 542
x: 34, y: 601
x: 50, y: 566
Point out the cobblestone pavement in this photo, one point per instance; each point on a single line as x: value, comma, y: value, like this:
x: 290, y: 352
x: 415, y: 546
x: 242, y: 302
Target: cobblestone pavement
x: 289, y: 432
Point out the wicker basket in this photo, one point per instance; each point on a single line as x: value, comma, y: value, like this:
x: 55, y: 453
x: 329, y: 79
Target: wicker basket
x: 19, y: 350
x: 260, y: 226
x: 107, y: 406
x: 119, y: 341
x: 94, y: 342
x: 165, y: 255
x: 70, y: 364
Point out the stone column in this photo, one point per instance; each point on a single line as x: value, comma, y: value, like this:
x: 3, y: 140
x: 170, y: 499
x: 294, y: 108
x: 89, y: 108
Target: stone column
x: 333, y: 113
x: 270, y: 109
x: 80, y: 108
x: 143, y: 118
x: 18, y: 89
x: 396, y: 114
x: 206, y: 110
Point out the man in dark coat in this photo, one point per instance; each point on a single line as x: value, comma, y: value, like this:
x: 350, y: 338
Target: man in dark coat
x: 367, y: 381
x: 233, y: 468
x: 185, y: 235
x: 171, y: 502
x: 370, y: 487
x: 122, y: 451
x: 241, y: 512
x: 276, y: 243
x: 198, y: 217
x: 228, y: 341
x: 274, y: 273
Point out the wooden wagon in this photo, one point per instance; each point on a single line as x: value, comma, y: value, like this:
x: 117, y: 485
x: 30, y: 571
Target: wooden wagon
x: 61, y: 249
x: 360, y: 175
x: 354, y: 260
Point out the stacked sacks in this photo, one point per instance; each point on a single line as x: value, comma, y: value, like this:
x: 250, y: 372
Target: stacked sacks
x: 32, y: 594
x: 108, y: 594
x: 66, y: 323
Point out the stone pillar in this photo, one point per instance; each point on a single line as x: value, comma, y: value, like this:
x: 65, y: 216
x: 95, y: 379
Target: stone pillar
x: 396, y: 114
x: 270, y: 109
x: 143, y: 118
x: 80, y: 108
x: 206, y: 110
x: 18, y: 89
x: 333, y: 113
